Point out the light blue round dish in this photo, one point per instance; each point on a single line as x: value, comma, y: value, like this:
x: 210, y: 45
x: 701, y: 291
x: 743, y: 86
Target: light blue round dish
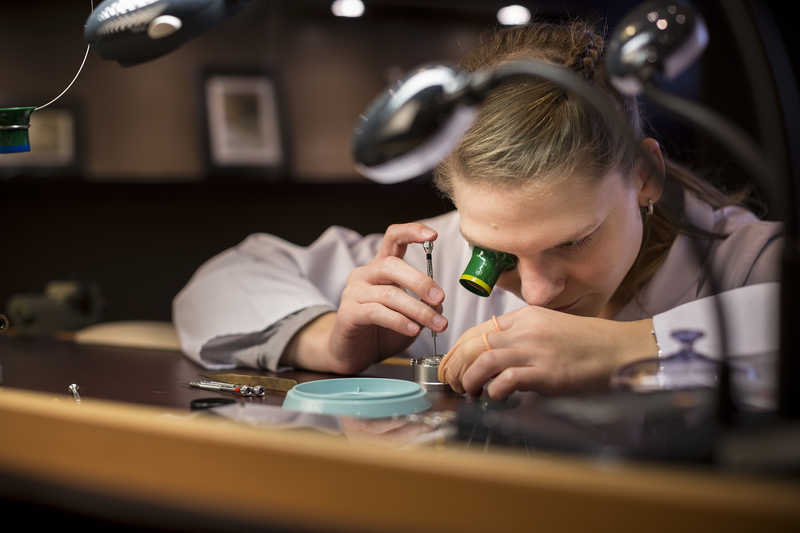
x: 358, y: 397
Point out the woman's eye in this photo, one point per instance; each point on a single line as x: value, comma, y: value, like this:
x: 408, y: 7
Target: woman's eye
x: 576, y: 245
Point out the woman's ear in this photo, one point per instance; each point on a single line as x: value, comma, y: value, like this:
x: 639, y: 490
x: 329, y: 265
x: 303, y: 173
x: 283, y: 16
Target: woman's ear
x: 650, y: 185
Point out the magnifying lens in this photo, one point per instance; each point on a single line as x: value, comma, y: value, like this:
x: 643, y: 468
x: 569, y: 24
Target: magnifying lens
x: 484, y: 268
x: 14, y: 124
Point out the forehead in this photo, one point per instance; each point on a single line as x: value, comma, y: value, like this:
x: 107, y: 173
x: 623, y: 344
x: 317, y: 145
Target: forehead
x: 534, y: 216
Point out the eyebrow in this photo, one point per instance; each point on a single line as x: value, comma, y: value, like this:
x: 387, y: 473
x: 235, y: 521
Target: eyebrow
x: 583, y: 232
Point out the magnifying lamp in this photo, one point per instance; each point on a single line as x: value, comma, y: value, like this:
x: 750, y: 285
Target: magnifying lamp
x: 135, y: 31
x: 413, y: 125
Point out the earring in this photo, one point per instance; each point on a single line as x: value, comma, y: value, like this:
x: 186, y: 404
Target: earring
x: 647, y: 210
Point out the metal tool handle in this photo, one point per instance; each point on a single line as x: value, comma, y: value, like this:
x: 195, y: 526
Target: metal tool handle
x: 220, y: 386
x: 428, y: 247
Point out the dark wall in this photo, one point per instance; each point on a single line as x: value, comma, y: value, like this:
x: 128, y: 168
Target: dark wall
x: 141, y: 242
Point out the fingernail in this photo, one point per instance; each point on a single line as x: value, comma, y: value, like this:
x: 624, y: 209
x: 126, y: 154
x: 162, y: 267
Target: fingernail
x: 427, y: 233
x: 439, y: 321
x: 435, y: 294
x: 413, y: 328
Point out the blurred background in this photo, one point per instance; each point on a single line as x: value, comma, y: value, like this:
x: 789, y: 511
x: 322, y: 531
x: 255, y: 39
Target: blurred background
x: 140, y: 174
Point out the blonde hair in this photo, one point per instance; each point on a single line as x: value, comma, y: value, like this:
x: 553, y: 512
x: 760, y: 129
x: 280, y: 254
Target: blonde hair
x: 534, y: 130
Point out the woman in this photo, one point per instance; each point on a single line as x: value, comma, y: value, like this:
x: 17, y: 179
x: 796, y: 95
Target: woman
x: 539, y: 176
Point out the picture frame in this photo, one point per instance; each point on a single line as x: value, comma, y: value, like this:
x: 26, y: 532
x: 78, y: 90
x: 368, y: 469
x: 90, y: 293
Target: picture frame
x: 244, y: 126
x: 54, y: 142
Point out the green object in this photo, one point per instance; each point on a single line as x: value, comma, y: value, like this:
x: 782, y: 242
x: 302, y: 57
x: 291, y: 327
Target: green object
x: 14, y: 124
x: 484, y: 268
x: 358, y: 397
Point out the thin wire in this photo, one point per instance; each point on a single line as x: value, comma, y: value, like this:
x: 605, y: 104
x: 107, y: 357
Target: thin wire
x: 88, y: 46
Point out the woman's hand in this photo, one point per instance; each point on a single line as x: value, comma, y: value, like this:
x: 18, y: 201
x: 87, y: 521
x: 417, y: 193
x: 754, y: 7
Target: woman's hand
x: 543, y: 350
x: 377, y: 317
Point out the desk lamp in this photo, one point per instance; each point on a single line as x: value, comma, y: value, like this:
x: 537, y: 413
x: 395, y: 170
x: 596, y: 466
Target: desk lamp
x: 412, y: 126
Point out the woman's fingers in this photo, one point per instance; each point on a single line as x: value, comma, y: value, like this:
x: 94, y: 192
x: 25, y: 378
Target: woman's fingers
x: 394, y: 271
x: 458, y: 360
x: 516, y: 378
x: 468, y: 347
x: 376, y: 314
x: 399, y: 236
x: 399, y: 300
x: 504, y: 369
x: 490, y: 364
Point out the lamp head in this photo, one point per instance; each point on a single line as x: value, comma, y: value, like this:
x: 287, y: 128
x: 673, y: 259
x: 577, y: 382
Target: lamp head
x: 135, y: 31
x: 659, y: 37
x: 413, y: 125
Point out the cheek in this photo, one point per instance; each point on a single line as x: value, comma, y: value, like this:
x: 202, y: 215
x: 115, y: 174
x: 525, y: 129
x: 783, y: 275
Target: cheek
x: 608, y: 260
x: 615, y: 257
x: 509, y: 281
x: 603, y: 265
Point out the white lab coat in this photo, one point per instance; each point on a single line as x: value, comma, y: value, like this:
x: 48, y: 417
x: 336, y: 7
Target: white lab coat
x: 243, y: 293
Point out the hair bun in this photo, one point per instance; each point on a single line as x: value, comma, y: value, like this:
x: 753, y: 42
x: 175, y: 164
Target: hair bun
x: 586, y: 53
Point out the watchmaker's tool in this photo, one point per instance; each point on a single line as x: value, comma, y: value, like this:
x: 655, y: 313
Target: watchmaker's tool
x: 428, y: 247
x: 484, y: 269
x: 358, y: 397
x: 426, y: 369
x: 426, y: 372
x: 220, y: 386
x: 268, y: 382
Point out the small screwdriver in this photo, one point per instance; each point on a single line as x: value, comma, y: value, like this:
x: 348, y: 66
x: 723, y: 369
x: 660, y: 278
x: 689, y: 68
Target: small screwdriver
x: 428, y: 247
x: 243, y: 390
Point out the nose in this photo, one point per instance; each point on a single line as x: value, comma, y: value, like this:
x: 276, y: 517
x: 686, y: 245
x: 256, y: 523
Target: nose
x: 540, y: 281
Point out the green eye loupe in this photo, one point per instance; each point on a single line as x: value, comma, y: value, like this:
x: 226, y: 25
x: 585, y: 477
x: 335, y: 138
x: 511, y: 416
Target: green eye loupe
x: 14, y: 123
x: 484, y: 268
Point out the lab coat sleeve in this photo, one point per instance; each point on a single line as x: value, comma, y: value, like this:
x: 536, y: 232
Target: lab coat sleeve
x: 232, y: 308
x: 751, y: 318
x: 767, y: 266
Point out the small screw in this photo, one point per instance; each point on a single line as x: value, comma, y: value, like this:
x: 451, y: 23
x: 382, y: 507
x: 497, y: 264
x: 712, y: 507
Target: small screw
x: 73, y: 388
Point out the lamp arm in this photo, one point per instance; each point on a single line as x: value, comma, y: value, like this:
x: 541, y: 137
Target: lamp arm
x: 771, y: 177
x: 762, y: 169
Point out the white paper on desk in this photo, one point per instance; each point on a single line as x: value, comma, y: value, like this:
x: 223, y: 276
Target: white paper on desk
x: 392, y: 431
x: 277, y: 417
